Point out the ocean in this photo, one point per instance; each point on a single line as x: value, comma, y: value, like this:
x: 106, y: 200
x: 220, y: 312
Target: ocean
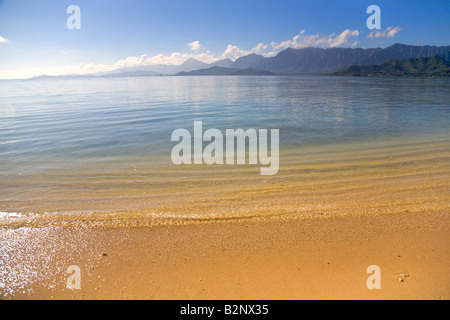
x: 100, y: 149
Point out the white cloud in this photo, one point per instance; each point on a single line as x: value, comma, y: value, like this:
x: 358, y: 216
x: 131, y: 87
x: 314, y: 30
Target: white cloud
x: 388, y: 33
x: 303, y: 41
x: 194, y: 45
x: 3, y: 40
x: 342, y: 39
x: 233, y: 52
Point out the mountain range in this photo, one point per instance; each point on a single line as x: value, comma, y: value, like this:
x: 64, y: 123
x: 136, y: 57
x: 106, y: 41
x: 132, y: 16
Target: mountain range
x: 323, y: 61
x: 295, y: 61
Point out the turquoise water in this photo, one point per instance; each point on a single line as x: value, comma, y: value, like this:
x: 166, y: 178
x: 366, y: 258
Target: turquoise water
x: 95, y: 119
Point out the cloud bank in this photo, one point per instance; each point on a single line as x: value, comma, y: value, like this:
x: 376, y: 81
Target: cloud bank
x: 302, y: 40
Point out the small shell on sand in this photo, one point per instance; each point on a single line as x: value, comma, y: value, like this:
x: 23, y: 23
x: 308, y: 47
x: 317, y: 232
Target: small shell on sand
x: 401, y: 277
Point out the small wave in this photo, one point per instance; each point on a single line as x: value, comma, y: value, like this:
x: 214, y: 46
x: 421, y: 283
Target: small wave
x: 13, y: 220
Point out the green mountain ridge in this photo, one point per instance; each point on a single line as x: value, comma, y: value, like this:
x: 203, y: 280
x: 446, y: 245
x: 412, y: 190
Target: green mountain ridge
x: 434, y: 66
x: 327, y: 60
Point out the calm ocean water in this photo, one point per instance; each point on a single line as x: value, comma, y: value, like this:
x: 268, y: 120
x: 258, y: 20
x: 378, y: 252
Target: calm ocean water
x: 51, y: 124
x: 125, y: 117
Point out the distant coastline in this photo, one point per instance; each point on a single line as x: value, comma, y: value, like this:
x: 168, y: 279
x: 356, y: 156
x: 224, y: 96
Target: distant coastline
x: 305, y: 61
x: 434, y: 66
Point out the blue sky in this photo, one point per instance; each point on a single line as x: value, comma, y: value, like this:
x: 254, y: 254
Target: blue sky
x: 34, y: 38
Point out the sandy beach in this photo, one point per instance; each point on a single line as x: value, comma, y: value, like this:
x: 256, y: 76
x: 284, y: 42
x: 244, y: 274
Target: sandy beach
x: 311, y: 258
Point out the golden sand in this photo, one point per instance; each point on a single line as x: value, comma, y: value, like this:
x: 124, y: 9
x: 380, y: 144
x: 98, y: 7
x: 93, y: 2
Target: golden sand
x: 315, y: 258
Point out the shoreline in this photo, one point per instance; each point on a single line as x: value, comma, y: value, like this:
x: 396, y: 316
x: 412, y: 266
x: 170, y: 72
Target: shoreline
x: 356, y: 178
x: 309, y: 233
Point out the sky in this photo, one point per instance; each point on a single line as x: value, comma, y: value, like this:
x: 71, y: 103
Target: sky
x: 35, y: 38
